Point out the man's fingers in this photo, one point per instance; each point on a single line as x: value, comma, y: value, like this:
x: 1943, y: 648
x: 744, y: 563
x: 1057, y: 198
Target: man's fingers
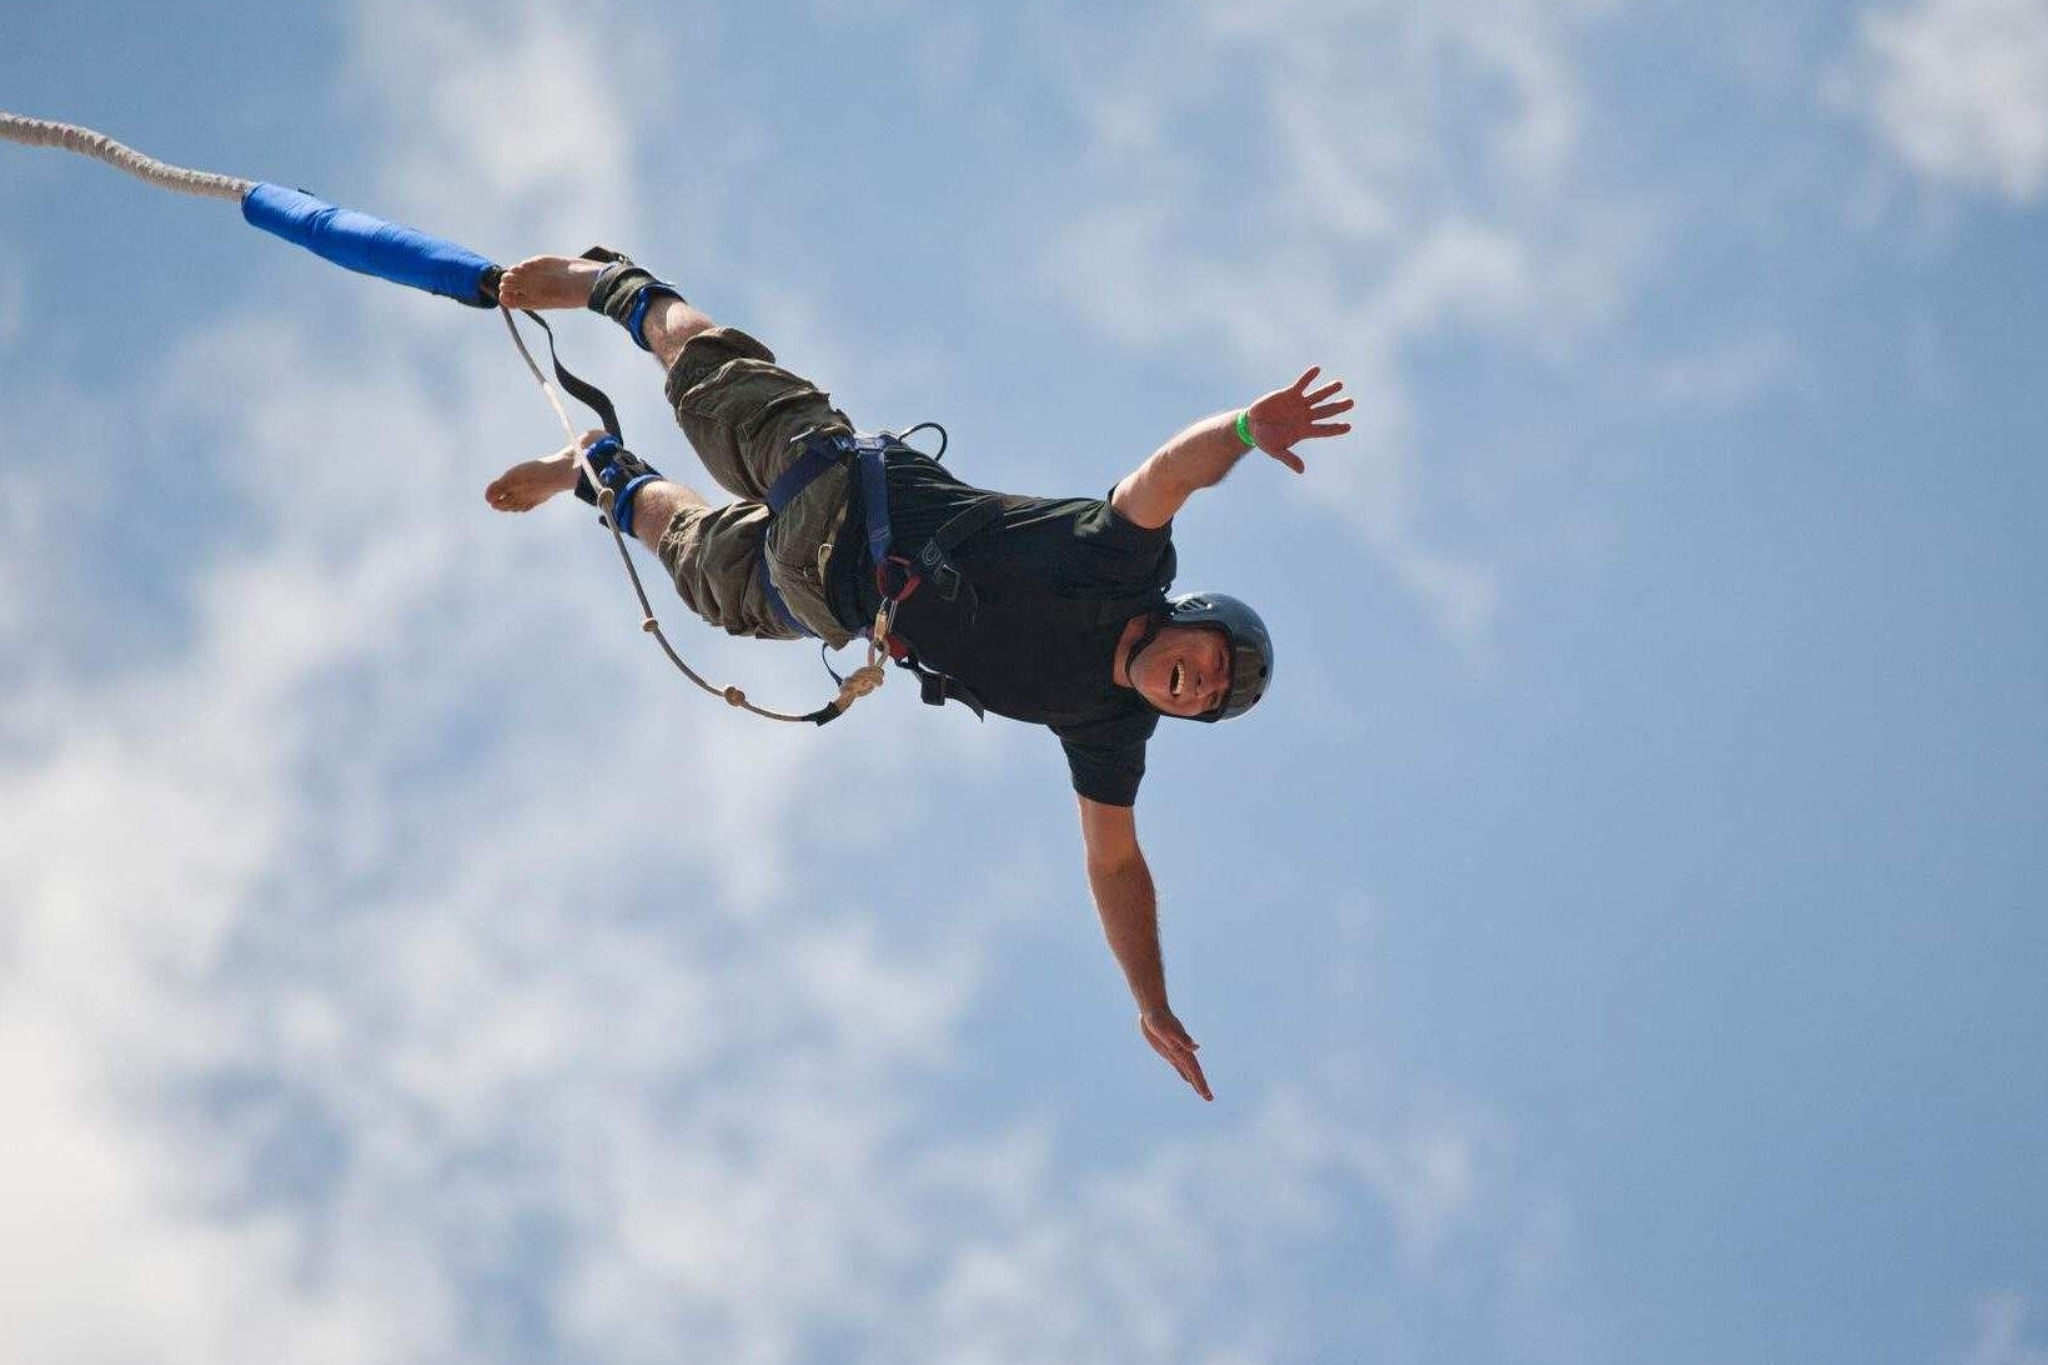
x: 1329, y: 409
x: 1191, y: 1071
x: 1324, y: 392
x: 1179, y: 1059
x: 1308, y: 377
x: 1290, y: 459
x: 1170, y: 1040
x: 1330, y: 429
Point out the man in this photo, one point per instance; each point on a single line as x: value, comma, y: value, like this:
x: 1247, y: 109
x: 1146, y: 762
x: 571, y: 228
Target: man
x: 1052, y: 611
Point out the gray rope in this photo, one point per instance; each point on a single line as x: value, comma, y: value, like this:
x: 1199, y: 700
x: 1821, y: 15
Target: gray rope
x: 36, y: 132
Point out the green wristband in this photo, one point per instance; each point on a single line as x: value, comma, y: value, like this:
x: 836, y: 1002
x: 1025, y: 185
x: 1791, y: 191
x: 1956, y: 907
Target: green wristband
x: 1244, y: 429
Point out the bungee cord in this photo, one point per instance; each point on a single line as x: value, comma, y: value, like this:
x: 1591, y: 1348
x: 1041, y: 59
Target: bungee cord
x: 36, y: 132
x: 368, y: 245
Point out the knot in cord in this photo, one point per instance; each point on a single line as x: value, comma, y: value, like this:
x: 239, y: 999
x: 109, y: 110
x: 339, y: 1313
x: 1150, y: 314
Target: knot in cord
x: 859, y: 683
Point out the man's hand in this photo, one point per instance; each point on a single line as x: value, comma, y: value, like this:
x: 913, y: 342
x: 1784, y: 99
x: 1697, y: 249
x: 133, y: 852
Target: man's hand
x: 1171, y: 1041
x: 1287, y: 416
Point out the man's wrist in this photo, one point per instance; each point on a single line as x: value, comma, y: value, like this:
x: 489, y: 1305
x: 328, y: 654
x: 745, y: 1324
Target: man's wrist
x: 1244, y: 429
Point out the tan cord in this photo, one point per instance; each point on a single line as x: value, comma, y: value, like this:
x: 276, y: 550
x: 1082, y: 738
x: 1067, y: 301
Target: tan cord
x: 36, y: 132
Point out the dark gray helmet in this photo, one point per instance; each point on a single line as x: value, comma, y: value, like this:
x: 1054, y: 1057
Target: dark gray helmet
x: 1251, y: 646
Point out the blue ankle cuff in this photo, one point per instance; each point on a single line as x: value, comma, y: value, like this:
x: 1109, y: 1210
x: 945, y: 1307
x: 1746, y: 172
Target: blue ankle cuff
x: 644, y: 295
x: 622, y: 505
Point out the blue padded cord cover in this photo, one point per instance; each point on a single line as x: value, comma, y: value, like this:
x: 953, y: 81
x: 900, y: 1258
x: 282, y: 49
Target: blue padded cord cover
x: 370, y: 245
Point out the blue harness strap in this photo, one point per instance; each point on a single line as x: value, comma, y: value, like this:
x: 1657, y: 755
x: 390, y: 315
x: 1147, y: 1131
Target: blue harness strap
x: 782, y: 611
x: 874, y: 492
x: 819, y: 454
x: 822, y: 451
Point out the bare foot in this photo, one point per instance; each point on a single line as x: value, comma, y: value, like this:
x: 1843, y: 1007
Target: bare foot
x: 549, y: 282
x: 527, y: 485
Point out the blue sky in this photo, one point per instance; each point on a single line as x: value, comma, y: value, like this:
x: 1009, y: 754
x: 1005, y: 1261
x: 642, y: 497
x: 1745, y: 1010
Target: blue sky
x: 1617, y: 939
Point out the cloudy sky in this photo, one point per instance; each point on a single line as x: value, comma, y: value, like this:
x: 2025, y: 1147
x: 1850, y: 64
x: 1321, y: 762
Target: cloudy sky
x: 1618, y: 938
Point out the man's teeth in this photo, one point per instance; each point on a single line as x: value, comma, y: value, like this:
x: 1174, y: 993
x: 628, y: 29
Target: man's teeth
x: 1177, y: 676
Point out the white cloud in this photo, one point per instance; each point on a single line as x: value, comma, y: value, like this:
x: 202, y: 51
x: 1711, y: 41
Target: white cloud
x: 1410, y: 174
x: 1958, y: 89
x: 369, y: 994
x: 335, y: 1049
x: 252, y: 868
x: 536, y: 100
x: 2001, y: 1333
x: 1729, y: 375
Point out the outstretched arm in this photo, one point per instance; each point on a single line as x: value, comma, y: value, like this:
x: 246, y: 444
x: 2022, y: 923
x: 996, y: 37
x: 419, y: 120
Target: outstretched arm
x: 1200, y: 456
x: 1122, y: 885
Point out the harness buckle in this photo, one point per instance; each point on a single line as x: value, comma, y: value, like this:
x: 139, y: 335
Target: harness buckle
x: 882, y: 632
x: 896, y: 578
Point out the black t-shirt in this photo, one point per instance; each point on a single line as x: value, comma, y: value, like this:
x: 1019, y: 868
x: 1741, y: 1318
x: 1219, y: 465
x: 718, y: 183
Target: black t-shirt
x: 1054, y: 581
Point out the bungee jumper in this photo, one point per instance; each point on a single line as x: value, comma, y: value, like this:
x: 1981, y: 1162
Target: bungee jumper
x: 1052, y: 611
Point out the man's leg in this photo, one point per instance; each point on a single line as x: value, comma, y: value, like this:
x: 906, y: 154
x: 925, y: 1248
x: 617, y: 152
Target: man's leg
x: 530, y: 483
x: 712, y: 554
x: 743, y: 414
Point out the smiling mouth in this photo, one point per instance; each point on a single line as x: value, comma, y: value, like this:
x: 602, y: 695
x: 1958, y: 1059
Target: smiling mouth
x: 1179, y: 676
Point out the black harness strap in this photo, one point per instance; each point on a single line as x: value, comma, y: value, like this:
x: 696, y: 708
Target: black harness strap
x: 582, y: 390
x: 898, y: 576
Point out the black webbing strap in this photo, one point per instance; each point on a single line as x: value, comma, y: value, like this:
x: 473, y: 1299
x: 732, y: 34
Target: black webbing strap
x: 582, y: 390
x: 934, y: 559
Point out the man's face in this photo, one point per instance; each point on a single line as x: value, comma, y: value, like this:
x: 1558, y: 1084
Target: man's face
x: 1185, y: 671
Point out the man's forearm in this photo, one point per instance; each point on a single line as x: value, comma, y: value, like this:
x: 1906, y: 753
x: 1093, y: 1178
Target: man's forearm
x: 1200, y: 456
x: 1130, y: 921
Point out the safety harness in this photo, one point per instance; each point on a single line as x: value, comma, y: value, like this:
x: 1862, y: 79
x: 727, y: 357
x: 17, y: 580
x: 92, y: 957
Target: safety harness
x: 897, y: 576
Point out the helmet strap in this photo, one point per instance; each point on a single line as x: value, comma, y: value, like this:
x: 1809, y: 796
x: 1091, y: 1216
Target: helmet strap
x: 1153, y: 625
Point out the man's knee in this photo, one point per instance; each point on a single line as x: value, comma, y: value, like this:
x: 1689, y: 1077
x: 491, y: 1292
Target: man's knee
x: 715, y: 347
x: 656, y: 510
x: 714, y: 555
x: 669, y: 326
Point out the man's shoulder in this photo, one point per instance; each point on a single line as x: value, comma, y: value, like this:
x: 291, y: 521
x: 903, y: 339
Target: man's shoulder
x: 1122, y: 723
x: 1106, y: 752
